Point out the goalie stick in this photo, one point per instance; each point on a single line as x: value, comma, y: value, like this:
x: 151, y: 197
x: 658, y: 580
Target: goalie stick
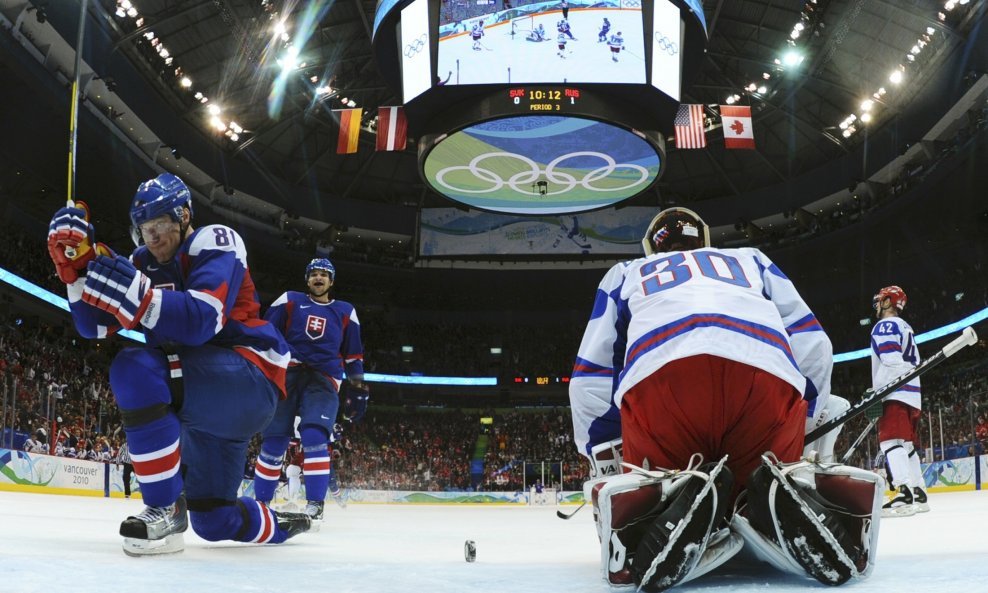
x: 967, y: 338
x: 857, y: 441
x: 565, y: 517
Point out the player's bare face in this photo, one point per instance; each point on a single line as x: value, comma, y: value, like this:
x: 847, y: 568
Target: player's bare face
x: 162, y: 236
x: 319, y: 284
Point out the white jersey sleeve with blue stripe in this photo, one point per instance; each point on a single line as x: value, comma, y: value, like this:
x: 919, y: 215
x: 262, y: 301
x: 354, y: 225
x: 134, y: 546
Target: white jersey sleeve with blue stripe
x: 894, y: 352
x: 731, y: 303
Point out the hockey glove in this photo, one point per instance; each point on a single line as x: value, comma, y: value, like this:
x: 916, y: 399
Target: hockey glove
x: 70, y: 231
x: 114, y: 285
x: 875, y: 411
x: 355, y: 402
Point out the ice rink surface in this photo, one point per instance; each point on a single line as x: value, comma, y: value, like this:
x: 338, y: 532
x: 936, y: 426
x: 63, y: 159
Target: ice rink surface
x: 56, y: 544
x: 585, y: 61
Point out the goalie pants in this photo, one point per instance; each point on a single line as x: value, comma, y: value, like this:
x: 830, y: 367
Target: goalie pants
x: 713, y: 406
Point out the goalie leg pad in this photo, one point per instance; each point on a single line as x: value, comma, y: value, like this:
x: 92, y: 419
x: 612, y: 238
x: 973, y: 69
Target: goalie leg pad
x: 674, y: 546
x: 623, y: 508
x: 822, y: 518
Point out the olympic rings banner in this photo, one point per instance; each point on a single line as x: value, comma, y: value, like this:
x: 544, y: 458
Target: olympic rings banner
x: 453, y: 232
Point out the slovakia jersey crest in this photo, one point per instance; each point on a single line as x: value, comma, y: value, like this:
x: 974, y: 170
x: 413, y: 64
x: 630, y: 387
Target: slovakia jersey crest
x: 315, y: 327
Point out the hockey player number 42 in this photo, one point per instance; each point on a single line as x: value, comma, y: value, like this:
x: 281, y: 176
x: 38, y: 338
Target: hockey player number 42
x: 675, y: 269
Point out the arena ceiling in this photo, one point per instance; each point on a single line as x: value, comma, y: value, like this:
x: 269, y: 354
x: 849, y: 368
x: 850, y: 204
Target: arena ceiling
x: 802, y: 103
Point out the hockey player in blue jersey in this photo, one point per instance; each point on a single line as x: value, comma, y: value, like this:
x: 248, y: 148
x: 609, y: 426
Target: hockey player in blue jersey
x: 208, y: 379
x: 605, y: 28
x: 563, y: 28
x: 324, y: 335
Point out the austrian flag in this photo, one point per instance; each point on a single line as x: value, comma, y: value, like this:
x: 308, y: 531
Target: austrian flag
x: 392, y: 128
x: 738, y: 132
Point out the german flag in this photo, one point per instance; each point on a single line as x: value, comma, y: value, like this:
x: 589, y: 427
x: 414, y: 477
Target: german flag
x: 349, y: 130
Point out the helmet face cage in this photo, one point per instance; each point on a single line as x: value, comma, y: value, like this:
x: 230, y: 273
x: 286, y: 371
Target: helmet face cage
x: 165, y: 194
x: 675, y: 224
x: 896, y: 296
x: 321, y: 263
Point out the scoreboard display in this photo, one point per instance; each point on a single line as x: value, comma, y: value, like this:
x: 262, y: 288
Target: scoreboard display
x: 532, y: 110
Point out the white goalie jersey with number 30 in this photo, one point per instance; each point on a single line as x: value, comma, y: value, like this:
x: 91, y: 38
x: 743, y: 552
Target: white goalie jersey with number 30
x: 731, y: 303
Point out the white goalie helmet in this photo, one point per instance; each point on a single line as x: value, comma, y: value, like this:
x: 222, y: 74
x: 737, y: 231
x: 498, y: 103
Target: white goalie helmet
x: 675, y: 229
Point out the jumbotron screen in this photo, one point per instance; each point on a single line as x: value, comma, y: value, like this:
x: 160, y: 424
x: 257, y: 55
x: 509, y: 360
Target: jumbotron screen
x: 532, y: 44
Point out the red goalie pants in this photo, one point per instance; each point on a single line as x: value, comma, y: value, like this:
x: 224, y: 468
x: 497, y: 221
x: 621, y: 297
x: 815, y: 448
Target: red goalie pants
x: 712, y: 406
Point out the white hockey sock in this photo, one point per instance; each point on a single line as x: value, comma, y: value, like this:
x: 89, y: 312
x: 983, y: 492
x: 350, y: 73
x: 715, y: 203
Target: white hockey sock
x: 898, y: 461
x: 915, y: 469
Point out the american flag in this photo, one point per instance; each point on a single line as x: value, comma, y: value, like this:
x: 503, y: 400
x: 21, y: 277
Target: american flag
x: 689, y: 127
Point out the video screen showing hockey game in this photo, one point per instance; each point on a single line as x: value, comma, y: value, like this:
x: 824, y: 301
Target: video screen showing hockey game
x: 542, y: 42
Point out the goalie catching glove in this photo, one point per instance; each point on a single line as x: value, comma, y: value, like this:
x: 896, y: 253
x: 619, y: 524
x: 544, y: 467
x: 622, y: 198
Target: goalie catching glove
x: 69, y: 230
x: 114, y: 285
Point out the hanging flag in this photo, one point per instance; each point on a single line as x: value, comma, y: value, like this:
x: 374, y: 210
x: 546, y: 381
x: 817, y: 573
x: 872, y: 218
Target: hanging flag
x: 738, y: 132
x: 392, y: 128
x: 689, y: 127
x: 349, y: 130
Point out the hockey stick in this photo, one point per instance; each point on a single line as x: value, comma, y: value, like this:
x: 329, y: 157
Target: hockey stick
x: 566, y: 517
x: 967, y: 338
x: 71, y: 252
x: 857, y: 441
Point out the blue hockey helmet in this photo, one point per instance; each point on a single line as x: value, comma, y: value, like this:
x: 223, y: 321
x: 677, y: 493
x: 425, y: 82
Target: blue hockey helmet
x: 165, y: 194
x: 321, y: 263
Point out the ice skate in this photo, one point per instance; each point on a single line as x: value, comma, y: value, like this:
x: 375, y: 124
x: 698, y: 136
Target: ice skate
x: 901, y: 505
x: 295, y: 523
x: 315, y: 509
x: 156, y: 530
x: 920, y: 501
x: 339, y: 497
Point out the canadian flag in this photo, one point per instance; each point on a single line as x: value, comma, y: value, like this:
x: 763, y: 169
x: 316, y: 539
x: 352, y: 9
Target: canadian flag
x: 392, y: 128
x: 738, y: 132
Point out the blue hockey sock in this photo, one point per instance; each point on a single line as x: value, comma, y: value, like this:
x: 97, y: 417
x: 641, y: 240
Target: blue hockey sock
x: 154, y: 451
x: 316, y: 465
x: 267, y: 471
x: 334, y: 486
x: 259, y: 524
x: 246, y: 521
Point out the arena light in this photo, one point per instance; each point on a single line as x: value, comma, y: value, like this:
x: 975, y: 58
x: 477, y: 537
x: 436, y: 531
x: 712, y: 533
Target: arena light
x: 866, y: 117
x: 896, y: 76
x: 186, y: 82
x: 792, y: 58
x: 214, y: 109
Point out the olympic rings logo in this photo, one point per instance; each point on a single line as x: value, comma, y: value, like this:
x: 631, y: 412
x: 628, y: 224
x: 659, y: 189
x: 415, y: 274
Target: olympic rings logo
x: 413, y: 48
x: 665, y: 44
x: 521, y: 182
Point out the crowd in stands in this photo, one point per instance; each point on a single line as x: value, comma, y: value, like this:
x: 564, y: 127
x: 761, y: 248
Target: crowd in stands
x: 409, y: 449
x: 55, y: 390
x: 51, y: 385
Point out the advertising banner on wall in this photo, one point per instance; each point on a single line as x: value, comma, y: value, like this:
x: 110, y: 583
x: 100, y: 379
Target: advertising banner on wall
x: 29, y: 469
x: 453, y: 232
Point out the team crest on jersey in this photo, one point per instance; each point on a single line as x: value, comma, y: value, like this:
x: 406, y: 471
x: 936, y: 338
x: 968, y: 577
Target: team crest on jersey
x: 315, y: 327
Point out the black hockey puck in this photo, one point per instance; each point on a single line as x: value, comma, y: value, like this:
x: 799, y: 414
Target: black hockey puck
x: 469, y: 550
